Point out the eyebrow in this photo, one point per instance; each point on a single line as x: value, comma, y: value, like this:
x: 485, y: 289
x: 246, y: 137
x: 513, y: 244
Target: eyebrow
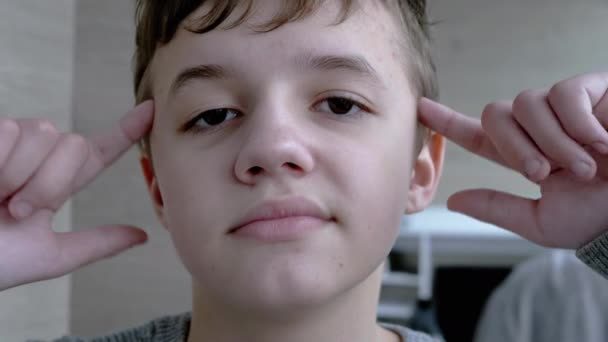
x: 355, y: 64
x: 200, y: 72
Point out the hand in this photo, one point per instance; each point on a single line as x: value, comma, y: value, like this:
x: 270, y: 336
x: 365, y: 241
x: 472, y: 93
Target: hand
x: 40, y: 169
x: 557, y: 139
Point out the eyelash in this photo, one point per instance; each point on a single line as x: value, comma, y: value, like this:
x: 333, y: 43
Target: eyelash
x: 192, y: 127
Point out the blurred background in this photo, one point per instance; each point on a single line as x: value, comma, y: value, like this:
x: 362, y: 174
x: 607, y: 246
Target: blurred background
x: 69, y: 60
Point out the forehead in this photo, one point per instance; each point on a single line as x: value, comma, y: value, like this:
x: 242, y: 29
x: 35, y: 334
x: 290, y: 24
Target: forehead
x: 370, y: 31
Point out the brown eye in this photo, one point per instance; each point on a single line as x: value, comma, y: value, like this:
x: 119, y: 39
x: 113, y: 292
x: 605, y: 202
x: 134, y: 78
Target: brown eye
x: 211, y: 118
x: 340, y: 106
x: 216, y: 116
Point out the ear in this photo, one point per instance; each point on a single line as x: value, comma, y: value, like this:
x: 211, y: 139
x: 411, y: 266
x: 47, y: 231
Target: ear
x: 426, y: 174
x: 153, y: 189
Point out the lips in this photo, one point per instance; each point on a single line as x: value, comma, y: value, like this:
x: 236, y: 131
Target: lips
x: 271, y: 219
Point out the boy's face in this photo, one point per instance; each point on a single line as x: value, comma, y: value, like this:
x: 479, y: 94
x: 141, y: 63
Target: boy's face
x: 285, y: 135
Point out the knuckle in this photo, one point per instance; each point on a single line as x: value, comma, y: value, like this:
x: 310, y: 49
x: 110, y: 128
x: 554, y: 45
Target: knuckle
x: 75, y: 140
x: 9, y: 126
x: 493, y: 113
x: 490, y: 112
x: 561, y: 89
x: 490, y: 109
x: 45, y: 126
x: 78, y: 146
x: 47, y: 130
x: 523, y: 100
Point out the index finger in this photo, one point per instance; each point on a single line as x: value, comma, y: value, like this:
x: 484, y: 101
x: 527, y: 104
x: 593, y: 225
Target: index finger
x: 583, y: 92
x: 459, y: 128
x: 578, y: 99
x: 106, y: 147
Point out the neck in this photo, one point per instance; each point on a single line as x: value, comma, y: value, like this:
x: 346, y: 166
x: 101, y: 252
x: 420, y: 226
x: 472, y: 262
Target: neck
x: 349, y: 317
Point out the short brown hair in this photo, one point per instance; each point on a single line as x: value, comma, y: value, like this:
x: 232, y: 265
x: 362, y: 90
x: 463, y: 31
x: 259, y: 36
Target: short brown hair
x: 157, y: 23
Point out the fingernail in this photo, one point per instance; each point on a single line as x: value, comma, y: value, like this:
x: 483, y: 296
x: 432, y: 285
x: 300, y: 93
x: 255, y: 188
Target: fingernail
x: 581, y: 169
x: 532, y: 167
x: 600, y: 147
x: 21, y: 210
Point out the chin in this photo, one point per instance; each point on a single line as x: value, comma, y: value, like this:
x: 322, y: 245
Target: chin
x: 283, y: 290
x: 288, y: 303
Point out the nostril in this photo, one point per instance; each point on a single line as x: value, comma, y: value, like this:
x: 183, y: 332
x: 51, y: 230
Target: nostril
x: 256, y: 170
x: 292, y: 166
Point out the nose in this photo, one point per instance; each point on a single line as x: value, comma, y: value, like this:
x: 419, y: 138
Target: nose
x: 274, y: 148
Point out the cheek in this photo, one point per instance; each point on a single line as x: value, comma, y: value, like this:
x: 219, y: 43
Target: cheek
x: 374, y: 178
x: 194, y: 209
x: 192, y: 184
x: 189, y: 174
x: 375, y: 189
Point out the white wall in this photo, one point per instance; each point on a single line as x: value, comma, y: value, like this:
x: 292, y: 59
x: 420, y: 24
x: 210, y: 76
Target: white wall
x: 36, y: 46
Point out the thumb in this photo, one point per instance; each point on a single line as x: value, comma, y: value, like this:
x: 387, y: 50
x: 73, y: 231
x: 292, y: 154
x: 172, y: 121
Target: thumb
x: 83, y: 247
x: 513, y: 213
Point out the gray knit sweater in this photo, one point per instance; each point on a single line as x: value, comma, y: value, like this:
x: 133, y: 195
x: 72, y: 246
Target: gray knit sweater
x: 175, y: 328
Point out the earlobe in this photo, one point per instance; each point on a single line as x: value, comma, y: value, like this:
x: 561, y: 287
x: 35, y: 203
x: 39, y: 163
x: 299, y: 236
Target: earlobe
x: 153, y: 189
x: 426, y: 174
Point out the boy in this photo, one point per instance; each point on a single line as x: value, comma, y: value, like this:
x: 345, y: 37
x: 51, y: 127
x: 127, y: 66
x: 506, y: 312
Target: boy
x: 279, y: 162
